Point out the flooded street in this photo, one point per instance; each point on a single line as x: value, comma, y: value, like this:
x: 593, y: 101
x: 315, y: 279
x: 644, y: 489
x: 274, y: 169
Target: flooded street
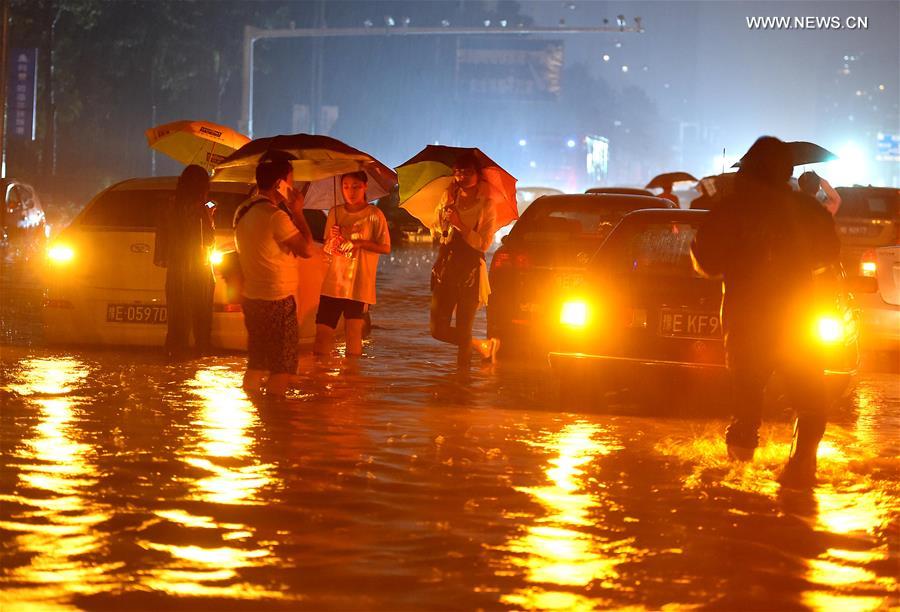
x: 396, y: 482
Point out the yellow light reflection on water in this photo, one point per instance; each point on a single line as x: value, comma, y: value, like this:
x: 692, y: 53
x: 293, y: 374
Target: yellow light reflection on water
x: 58, y: 528
x: 821, y: 600
x: 554, y: 551
x: 224, y: 451
x: 226, y: 415
x: 852, y: 511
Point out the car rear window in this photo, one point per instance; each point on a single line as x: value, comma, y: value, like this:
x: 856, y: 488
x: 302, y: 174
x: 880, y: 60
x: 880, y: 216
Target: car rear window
x: 559, y: 223
x: 138, y: 208
x: 881, y: 204
x: 659, y: 249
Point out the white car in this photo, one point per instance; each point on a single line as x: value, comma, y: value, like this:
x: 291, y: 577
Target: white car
x: 524, y: 197
x: 881, y: 310
x: 103, y: 288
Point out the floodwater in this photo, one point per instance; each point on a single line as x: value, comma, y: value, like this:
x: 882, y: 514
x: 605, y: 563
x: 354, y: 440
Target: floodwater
x: 395, y: 482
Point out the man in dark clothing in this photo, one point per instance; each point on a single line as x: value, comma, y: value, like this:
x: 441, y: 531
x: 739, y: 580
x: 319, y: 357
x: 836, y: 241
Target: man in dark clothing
x: 775, y: 250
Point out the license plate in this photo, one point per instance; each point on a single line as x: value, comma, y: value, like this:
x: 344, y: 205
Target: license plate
x: 569, y: 281
x: 687, y: 324
x: 135, y: 313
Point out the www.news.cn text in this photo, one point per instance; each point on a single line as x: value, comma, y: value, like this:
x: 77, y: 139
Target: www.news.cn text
x: 809, y: 22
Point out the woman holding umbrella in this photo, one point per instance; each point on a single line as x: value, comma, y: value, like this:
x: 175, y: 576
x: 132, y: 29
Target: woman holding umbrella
x: 466, y: 221
x: 356, y: 233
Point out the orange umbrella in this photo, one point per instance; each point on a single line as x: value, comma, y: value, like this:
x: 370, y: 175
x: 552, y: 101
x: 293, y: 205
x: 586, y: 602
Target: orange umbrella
x: 426, y: 176
x: 195, y: 142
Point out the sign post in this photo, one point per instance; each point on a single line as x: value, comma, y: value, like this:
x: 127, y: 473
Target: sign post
x: 21, y: 94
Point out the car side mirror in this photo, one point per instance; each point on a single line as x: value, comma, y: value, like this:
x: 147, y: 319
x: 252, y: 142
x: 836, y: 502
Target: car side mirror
x: 861, y: 284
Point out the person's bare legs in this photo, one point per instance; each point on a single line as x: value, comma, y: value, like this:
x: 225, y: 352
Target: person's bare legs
x: 353, y: 329
x: 324, y: 340
x: 254, y: 380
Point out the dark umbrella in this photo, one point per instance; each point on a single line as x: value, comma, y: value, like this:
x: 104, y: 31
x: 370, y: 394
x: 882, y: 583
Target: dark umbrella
x: 664, y: 181
x: 318, y: 160
x: 803, y: 153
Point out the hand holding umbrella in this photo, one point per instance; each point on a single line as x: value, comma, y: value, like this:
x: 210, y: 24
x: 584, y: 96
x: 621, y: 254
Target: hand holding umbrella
x: 425, y: 177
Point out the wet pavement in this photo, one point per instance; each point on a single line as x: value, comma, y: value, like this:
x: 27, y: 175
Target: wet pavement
x: 396, y: 482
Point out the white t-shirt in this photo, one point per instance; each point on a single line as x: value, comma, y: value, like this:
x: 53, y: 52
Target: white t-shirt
x: 353, y: 277
x: 270, y: 271
x: 476, y: 212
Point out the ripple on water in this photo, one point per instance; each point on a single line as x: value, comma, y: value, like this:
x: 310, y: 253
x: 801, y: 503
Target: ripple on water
x: 395, y: 481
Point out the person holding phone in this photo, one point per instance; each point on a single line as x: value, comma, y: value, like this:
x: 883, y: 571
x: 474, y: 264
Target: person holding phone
x: 465, y: 220
x: 810, y: 183
x: 185, y: 235
x: 270, y: 233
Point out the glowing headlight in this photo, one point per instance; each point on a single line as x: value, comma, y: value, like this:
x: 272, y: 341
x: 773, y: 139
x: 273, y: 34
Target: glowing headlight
x: 574, y: 313
x: 830, y: 329
x: 216, y: 257
x: 60, y: 253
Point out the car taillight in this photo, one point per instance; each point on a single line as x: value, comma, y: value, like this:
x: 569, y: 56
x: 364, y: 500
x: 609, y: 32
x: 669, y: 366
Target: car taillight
x: 61, y: 253
x: 509, y: 260
x: 868, y: 265
x: 574, y: 313
x: 830, y: 329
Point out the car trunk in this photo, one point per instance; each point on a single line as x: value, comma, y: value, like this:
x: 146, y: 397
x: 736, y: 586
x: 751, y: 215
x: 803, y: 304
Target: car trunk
x: 669, y: 319
x: 530, y: 273
x: 116, y: 259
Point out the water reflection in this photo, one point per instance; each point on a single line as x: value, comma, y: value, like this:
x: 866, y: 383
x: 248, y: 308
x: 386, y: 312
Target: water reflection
x: 225, y: 422
x: 559, y: 548
x: 231, y: 475
x: 55, y: 521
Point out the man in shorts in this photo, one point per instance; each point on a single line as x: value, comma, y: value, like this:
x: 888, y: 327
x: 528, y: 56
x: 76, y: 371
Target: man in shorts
x: 270, y: 233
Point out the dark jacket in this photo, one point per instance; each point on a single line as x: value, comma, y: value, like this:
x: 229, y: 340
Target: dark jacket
x: 771, y: 246
x: 184, y: 236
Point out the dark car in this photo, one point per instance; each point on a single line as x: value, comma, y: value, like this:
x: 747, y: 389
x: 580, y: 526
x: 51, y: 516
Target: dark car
x: 868, y: 218
x: 619, y: 191
x: 546, y: 252
x: 644, y: 317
